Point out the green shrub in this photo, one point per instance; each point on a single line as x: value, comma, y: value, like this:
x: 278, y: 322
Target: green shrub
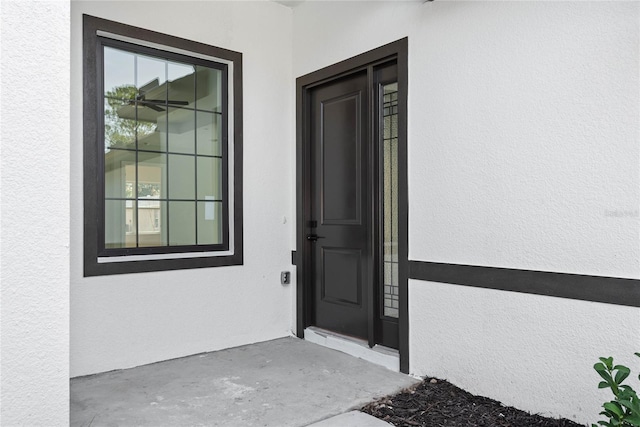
x: 624, y: 409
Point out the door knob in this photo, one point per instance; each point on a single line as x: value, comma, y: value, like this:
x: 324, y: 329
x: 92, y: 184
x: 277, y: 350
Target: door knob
x: 313, y: 237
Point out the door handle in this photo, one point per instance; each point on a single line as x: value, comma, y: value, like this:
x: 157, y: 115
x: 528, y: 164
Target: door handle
x: 313, y: 237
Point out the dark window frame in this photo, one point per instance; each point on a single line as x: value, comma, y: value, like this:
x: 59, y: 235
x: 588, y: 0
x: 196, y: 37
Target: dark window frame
x: 96, y: 33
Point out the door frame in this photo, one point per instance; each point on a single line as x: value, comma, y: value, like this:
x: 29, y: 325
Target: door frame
x: 397, y: 50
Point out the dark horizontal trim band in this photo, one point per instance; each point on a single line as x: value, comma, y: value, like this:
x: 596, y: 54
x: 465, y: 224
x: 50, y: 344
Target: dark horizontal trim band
x: 611, y: 290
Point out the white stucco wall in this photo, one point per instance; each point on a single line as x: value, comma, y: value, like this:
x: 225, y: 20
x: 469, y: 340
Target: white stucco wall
x: 34, y: 213
x: 529, y: 144
x: 128, y: 320
x: 523, y: 153
x: 529, y: 351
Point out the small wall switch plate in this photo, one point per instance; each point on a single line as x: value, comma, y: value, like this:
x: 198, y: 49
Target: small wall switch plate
x: 285, y: 277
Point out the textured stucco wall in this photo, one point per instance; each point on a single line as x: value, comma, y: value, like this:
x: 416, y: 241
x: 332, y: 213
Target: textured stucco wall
x: 34, y: 212
x: 523, y: 153
x: 128, y: 320
x: 528, y: 151
x: 529, y: 351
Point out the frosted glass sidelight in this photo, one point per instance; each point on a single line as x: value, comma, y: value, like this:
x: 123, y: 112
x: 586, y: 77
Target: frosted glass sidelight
x: 390, y: 198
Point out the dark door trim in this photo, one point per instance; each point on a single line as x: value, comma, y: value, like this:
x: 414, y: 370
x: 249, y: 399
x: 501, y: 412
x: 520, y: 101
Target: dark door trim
x: 397, y: 50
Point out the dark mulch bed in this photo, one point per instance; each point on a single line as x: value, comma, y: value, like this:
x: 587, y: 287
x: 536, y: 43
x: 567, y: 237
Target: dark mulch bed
x: 437, y: 403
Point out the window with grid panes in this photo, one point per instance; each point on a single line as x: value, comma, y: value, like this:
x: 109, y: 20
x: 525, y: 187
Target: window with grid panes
x: 163, y: 154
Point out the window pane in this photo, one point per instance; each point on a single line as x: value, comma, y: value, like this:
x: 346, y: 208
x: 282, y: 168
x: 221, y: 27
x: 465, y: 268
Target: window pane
x: 119, y: 129
x: 151, y: 94
x: 152, y: 137
x: 209, y: 223
x: 151, y: 79
x: 209, y: 133
x: 182, y: 81
x: 209, y: 89
x: 152, y: 175
x: 119, y: 72
x: 209, y: 178
x: 181, y: 130
x: 120, y: 224
x: 147, y: 114
x: 152, y: 128
x: 120, y: 174
x: 182, y: 177
x: 152, y: 216
x: 182, y: 225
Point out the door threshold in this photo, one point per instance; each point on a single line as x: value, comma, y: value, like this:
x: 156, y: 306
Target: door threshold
x: 380, y: 355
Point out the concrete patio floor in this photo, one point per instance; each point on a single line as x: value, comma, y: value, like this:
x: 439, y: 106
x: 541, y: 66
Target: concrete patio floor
x: 285, y: 382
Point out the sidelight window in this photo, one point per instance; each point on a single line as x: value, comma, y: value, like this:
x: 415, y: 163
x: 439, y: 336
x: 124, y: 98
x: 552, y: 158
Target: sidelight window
x: 390, y: 198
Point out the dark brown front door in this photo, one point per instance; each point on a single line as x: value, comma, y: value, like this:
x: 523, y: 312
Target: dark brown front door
x: 340, y: 226
x: 352, y: 202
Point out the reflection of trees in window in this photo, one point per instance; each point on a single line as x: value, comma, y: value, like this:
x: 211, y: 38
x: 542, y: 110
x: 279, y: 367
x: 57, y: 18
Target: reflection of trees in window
x: 145, y: 189
x: 149, y: 189
x: 118, y: 132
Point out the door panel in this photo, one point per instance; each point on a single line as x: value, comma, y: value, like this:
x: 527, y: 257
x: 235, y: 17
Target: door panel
x: 341, y: 278
x: 341, y: 159
x: 340, y: 206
